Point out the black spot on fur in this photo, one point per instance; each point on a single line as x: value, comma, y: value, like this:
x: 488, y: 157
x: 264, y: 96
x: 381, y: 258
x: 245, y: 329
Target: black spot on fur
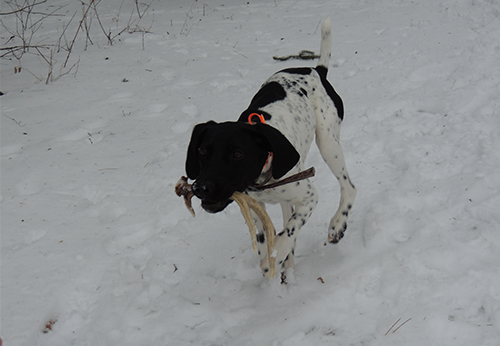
x: 337, y: 101
x: 298, y: 70
x: 269, y: 93
x: 261, y: 238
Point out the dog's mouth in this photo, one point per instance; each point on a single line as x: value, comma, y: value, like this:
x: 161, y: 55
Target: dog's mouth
x: 214, y: 207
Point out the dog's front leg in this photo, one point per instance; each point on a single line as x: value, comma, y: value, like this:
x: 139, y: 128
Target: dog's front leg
x: 285, y: 241
x: 261, y: 235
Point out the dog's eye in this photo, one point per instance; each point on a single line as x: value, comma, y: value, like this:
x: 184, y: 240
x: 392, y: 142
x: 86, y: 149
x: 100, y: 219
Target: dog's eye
x: 202, y: 151
x: 237, y: 155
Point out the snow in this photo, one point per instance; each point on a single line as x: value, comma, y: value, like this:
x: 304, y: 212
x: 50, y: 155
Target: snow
x: 94, y: 239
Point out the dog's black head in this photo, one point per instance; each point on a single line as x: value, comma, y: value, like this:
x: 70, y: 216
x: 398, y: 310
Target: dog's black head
x: 226, y: 157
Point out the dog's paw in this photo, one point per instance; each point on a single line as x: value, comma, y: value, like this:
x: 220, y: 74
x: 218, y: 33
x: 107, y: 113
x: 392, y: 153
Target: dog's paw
x: 265, y: 269
x: 337, y: 229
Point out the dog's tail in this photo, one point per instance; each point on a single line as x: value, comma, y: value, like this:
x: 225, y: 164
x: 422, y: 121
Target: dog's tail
x: 326, y: 45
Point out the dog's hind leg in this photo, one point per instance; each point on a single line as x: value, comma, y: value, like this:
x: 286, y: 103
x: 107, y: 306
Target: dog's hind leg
x: 327, y: 139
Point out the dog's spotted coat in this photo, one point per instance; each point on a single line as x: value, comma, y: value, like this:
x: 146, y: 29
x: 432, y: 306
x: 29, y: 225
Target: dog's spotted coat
x: 302, y: 105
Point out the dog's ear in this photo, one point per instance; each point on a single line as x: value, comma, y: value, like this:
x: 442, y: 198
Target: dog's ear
x: 284, y: 154
x: 192, y: 161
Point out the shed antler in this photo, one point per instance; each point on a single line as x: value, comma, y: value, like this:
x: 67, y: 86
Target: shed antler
x: 246, y: 202
x: 182, y: 188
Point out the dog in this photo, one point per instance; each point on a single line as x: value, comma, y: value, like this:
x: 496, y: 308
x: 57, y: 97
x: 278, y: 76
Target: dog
x: 269, y: 142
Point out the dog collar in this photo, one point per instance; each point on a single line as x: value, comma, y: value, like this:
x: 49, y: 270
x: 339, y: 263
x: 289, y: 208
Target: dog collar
x: 260, y: 116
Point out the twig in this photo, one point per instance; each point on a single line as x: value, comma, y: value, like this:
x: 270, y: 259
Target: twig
x: 108, y: 35
x: 13, y: 49
x: 395, y: 330
x: 14, y: 120
x: 402, y: 324
x: 22, y: 8
x: 59, y: 46
x: 139, y: 11
x: 74, y: 66
x: 399, y: 319
x: 76, y: 33
x: 303, y: 55
x: 185, y: 25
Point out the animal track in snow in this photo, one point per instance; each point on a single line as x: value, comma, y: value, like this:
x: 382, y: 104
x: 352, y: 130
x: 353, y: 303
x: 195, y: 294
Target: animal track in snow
x: 87, y: 132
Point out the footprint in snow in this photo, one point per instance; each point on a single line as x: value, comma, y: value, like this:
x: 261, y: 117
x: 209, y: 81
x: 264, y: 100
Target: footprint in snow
x: 155, y: 110
x: 89, y: 132
x: 191, y: 110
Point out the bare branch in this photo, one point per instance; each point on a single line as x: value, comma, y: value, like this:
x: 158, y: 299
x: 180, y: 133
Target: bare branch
x: 76, y: 33
x: 21, y: 9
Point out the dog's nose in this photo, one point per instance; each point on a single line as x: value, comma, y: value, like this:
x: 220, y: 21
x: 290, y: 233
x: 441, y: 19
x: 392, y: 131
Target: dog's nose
x: 202, y: 190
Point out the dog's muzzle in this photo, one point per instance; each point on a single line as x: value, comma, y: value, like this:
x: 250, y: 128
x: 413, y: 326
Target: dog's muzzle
x: 203, y: 191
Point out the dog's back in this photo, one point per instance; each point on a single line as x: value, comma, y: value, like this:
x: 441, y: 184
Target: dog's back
x: 302, y: 104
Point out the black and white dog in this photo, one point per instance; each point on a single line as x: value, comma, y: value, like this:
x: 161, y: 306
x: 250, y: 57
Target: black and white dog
x: 270, y: 141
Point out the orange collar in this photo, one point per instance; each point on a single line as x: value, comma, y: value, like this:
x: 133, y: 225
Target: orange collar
x: 260, y: 116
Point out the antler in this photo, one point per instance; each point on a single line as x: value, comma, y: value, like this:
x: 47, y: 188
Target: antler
x: 182, y: 188
x: 246, y: 202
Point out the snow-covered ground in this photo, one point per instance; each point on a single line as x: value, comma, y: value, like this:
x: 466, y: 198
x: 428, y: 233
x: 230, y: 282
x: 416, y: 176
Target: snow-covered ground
x: 95, y: 244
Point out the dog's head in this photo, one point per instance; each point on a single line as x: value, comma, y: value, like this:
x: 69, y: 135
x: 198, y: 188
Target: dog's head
x: 226, y: 157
